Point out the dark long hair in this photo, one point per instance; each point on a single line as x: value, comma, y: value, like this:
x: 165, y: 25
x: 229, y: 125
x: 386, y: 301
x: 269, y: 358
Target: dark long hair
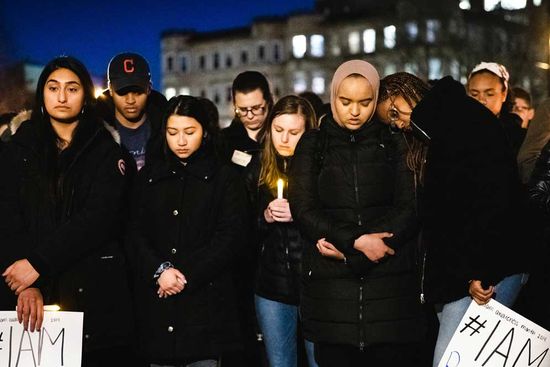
x: 202, y: 110
x: 48, y: 142
x: 412, y: 89
x: 269, y: 172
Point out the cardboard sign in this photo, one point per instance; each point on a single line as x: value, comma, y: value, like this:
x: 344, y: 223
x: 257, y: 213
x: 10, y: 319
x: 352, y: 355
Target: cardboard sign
x: 492, y: 335
x: 58, y: 343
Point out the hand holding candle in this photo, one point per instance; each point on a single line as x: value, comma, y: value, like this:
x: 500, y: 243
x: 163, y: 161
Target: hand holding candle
x: 280, y: 186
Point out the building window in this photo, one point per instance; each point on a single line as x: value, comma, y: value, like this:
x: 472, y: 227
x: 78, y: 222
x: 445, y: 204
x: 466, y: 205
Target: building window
x: 185, y: 91
x: 203, y: 93
x: 490, y: 5
x: 299, y: 46
x: 261, y: 52
x: 354, y: 43
x: 537, y: 2
x: 389, y: 36
x: 513, y: 4
x: 411, y: 67
x: 216, y: 61
x: 169, y: 92
x: 412, y: 31
x: 216, y: 98
x: 318, y: 84
x: 276, y: 52
x: 454, y: 69
x: 202, y: 62
x: 434, y: 68
x: 465, y: 5
x: 390, y: 68
x: 300, y: 82
x: 169, y: 63
x: 432, y: 28
x: 228, y: 95
x: 369, y: 41
x: 317, y: 45
x: 335, y: 45
x: 244, y: 57
x: 183, y: 65
x: 228, y: 61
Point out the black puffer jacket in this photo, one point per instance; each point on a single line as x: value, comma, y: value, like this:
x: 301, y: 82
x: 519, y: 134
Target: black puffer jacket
x: 344, y: 184
x: 75, y: 245
x: 193, y: 216
x: 280, y: 255
x: 470, y: 207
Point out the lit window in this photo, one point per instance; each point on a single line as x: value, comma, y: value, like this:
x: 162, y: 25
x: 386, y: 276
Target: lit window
x: 369, y: 41
x: 354, y: 42
x: 411, y: 67
x: 389, y: 36
x: 170, y: 92
x: 390, y: 68
x: 185, y: 91
x: 318, y: 84
x: 513, y: 4
x: 434, y: 68
x: 432, y: 28
x: 317, y: 45
x: 299, y: 45
x: 465, y: 5
x: 537, y: 2
x: 412, y: 30
x: 335, y: 45
x: 300, y: 82
x: 455, y: 69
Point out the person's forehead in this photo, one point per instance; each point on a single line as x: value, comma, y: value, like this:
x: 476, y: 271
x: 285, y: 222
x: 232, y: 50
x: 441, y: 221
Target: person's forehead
x: 521, y: 101
x: 244, y: 99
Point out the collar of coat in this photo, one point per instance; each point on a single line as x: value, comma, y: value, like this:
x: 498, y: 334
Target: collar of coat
x: 331, y: 127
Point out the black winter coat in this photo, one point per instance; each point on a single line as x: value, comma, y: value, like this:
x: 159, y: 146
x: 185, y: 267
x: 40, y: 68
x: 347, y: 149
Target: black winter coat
x: 281, y: 244
x: 470, y: 207
x: 193, y: 216
x: 75, y: 245
x: 344, y: 184
x: 235, y: 137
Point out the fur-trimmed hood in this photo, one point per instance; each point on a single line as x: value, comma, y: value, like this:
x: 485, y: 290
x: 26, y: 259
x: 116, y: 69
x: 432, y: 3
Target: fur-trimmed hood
x: 23, y: 116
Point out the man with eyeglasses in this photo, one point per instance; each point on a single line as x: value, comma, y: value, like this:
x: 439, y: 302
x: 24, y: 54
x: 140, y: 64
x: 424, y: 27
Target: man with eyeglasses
x: 252, y: 100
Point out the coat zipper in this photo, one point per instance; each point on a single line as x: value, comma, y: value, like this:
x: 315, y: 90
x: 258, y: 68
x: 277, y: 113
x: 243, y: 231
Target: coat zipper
x: 355, y: 180
x: 361, y: 332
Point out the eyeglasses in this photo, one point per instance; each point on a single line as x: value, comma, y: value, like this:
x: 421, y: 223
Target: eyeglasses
x: 254, y: 110
x: 394, y: 114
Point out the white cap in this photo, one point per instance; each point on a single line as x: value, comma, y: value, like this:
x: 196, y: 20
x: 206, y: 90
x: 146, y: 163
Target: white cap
x: 493, y: 67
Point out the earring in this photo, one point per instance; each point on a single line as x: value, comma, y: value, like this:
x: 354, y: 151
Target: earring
x: 42, y: 110
x: 205, y: 135
x: 82, y: 111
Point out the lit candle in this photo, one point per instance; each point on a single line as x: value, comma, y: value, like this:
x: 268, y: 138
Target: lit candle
x: 280, y: 185
x: 51, y: 308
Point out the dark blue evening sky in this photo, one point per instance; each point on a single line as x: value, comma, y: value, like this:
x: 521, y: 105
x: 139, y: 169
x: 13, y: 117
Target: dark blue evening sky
x: 94, y: 31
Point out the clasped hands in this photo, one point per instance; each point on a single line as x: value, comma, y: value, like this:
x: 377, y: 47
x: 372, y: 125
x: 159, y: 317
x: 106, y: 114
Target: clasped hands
x: 170, y: 282
x: 20, y: 275
x: 371, y: 245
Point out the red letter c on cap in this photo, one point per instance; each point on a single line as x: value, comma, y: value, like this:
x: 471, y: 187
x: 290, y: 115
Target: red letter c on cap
x: 129, y: 66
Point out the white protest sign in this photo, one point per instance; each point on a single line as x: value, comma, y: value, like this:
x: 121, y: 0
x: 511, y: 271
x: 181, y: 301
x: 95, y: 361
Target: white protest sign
x: 58, y: 343
x: 492, y: 335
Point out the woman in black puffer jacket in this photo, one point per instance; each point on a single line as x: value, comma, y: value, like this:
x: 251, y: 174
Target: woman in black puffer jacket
x: 349, y: 184
x: 279, y: 261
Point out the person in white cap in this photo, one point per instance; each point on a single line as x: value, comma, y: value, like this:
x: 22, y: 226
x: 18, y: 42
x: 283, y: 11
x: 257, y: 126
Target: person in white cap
x: 488, y: 83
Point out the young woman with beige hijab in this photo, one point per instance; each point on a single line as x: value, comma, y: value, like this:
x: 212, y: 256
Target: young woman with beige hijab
x: 349, y: 185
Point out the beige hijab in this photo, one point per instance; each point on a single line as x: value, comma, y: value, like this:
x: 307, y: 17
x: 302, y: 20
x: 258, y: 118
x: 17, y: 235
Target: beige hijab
x: 360, y: 67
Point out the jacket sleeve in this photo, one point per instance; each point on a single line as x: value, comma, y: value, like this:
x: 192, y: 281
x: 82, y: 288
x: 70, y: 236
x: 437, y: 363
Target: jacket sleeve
x: 15, y: 241
x: 305, y: 203
x: 401, y: 219
x: 537, y: 135
x: 89, y: 228
x: 539, y: 184
x: 227, y: 243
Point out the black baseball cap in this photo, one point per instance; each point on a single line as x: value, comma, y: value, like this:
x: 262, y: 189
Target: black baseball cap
x: 128, y: 70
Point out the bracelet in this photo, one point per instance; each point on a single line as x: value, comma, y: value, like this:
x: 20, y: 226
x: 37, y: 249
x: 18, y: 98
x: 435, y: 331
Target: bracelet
x: 165, y: 265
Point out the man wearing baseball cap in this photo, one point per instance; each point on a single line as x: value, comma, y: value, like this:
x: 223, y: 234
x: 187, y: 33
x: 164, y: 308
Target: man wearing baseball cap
x: 131, y: 107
